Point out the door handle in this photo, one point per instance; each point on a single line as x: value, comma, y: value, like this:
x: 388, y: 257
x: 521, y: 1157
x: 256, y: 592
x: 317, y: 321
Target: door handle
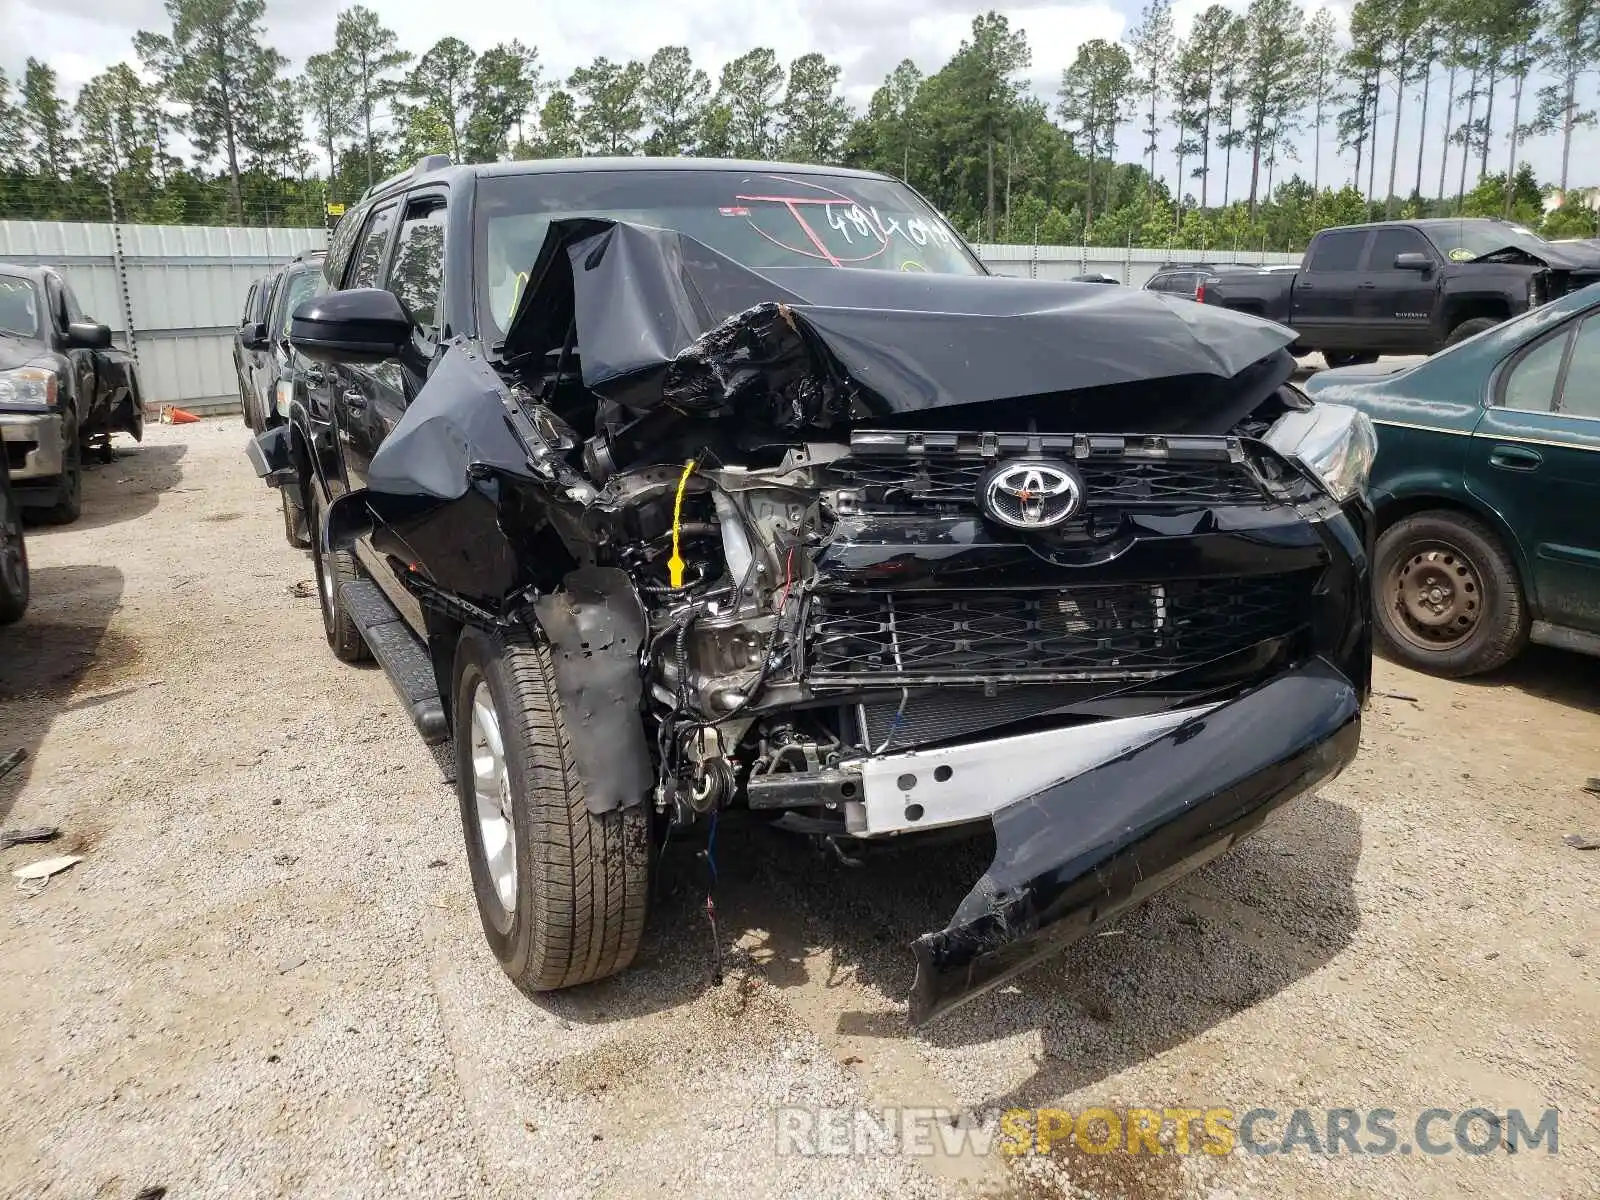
x: 1304, y: 287
x: 1516, y: 458
x: 1368, y: 284
x: 355, y: 401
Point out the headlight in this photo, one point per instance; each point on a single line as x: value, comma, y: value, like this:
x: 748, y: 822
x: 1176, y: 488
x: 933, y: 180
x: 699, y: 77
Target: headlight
x: 1335, y: 442
x: 28, y: 385
x: 283, y: 395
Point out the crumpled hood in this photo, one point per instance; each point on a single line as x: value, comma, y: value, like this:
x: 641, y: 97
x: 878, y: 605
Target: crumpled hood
x: 1576, y: 256
x: 661, y: 318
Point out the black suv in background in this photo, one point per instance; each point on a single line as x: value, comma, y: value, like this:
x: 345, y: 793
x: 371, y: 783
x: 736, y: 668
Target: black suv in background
x: 677, y: 490
x: 271, y: 363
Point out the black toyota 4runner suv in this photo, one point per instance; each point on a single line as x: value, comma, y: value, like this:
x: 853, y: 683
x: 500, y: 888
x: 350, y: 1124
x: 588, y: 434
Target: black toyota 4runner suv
x: 670, y: 487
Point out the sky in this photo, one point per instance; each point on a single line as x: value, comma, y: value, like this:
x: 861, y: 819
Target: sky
x: 865, y: 37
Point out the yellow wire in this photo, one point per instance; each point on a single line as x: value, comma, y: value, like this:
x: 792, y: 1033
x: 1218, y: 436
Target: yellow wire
x: 675, y: 564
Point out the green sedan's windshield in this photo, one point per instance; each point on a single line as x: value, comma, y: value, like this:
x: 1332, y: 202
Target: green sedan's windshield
x: 758, y: 219
x: 1462, y: 241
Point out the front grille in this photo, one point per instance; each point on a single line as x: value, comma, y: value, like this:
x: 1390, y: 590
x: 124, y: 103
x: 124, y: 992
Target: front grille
x: 890, y: 479
x: 1103, y: 631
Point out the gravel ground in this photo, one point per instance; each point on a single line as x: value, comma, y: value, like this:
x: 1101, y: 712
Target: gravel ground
x: 267, y: 979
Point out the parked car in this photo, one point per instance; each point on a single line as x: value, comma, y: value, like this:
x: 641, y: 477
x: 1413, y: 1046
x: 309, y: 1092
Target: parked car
x: 1095, y: 277
x: 64, y: 390
x: 1191, y: 280
x: 248, y: 357
x: 1408, y: 287
x: 13, y: 552
x: 272, y: 361
x: 1487, y: 490
x: 772, y: 501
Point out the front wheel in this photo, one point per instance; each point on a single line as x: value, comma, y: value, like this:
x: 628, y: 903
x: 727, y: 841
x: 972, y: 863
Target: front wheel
x: 1448, y: 600
x: 1470, y: 328
x: 69, y: 499
x: 334, y: 569
x: 13, y: 567
x: 561, y: 892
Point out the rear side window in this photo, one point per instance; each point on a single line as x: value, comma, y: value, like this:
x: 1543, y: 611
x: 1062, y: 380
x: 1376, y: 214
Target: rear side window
x: 1337, y: 251
x: 1387, y: 244
x: 1531, y: 384
x: 369, y: 255
x: 417, y: 272
x: 249, y: 303
x: 1580, y: 391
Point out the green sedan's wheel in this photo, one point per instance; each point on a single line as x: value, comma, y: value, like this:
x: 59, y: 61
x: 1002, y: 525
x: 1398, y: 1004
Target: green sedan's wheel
x: 1449, y: 600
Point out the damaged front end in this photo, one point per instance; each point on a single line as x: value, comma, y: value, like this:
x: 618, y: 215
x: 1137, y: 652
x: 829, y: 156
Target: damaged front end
x: 886, y: 554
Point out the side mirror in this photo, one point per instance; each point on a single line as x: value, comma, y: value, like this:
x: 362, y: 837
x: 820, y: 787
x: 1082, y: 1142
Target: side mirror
x: 1412, y: 260
x: 88, y: 335
x: 253, y: 335
x: 363, y: 325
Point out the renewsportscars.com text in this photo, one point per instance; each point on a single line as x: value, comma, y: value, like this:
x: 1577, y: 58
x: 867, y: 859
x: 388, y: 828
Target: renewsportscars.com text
x: 1168, y: 1130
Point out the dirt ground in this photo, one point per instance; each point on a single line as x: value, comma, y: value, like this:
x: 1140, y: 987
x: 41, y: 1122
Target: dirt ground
x: 266, y: 977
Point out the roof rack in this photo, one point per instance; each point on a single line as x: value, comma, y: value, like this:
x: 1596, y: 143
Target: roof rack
x: 429, y: 162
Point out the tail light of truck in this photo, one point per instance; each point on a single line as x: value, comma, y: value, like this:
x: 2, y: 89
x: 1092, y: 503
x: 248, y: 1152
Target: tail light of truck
x: 1200, y: 293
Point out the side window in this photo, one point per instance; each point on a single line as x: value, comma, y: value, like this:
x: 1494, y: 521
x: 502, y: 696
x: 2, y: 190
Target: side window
x: 1530, y: 385
x: 74, y: 310
x: 1338, y: 251
x: 1580, y: 392
x: 1158, y: 284
x: 249, y: 303
x: 418, y: 268
x: 341, y: 245
x: 58, y: 304
x: 369, y: 252
x: 1387, y: 243
x: 294, y: 291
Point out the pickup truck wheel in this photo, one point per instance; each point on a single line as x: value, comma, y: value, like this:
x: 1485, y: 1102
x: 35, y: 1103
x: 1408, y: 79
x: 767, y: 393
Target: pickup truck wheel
x: 1448, y: 598
x: 69, y: 503
x: 561, y: 892
x: 1470, y: 328
x: 333, y: 570
x: 13, y: 567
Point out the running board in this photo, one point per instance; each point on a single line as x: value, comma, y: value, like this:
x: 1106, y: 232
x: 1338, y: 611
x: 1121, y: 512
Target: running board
x: 400, y: 653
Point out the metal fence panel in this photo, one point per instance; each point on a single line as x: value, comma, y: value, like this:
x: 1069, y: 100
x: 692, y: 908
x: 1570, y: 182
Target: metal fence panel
x: 1133, y: 266
x: 183, y: 287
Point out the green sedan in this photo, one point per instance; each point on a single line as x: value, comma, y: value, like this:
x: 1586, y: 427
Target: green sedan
x: 1487, y: 490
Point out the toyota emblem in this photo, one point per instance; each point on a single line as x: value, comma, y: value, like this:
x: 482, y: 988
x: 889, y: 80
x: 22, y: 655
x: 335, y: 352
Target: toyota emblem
x: 1032, y: 494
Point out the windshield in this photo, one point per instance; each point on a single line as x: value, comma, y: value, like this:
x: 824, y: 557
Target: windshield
x: 1466, y: 240
x: 19, y: 306
x: 299, y: 285
x: 758, y: 219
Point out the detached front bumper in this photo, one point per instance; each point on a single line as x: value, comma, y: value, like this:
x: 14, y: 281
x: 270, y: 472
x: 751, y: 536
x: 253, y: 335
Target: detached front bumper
x: 35, y: 445
x: 1083, y: 848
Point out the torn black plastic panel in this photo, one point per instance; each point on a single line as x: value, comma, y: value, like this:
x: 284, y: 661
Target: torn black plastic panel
x: 596, y: 628
x: 1088, y: 847
x: 663, y: 319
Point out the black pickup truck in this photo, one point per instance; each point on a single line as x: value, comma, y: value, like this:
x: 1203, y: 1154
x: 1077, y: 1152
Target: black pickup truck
x: 64, y: 390
x: 1407, y: 287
